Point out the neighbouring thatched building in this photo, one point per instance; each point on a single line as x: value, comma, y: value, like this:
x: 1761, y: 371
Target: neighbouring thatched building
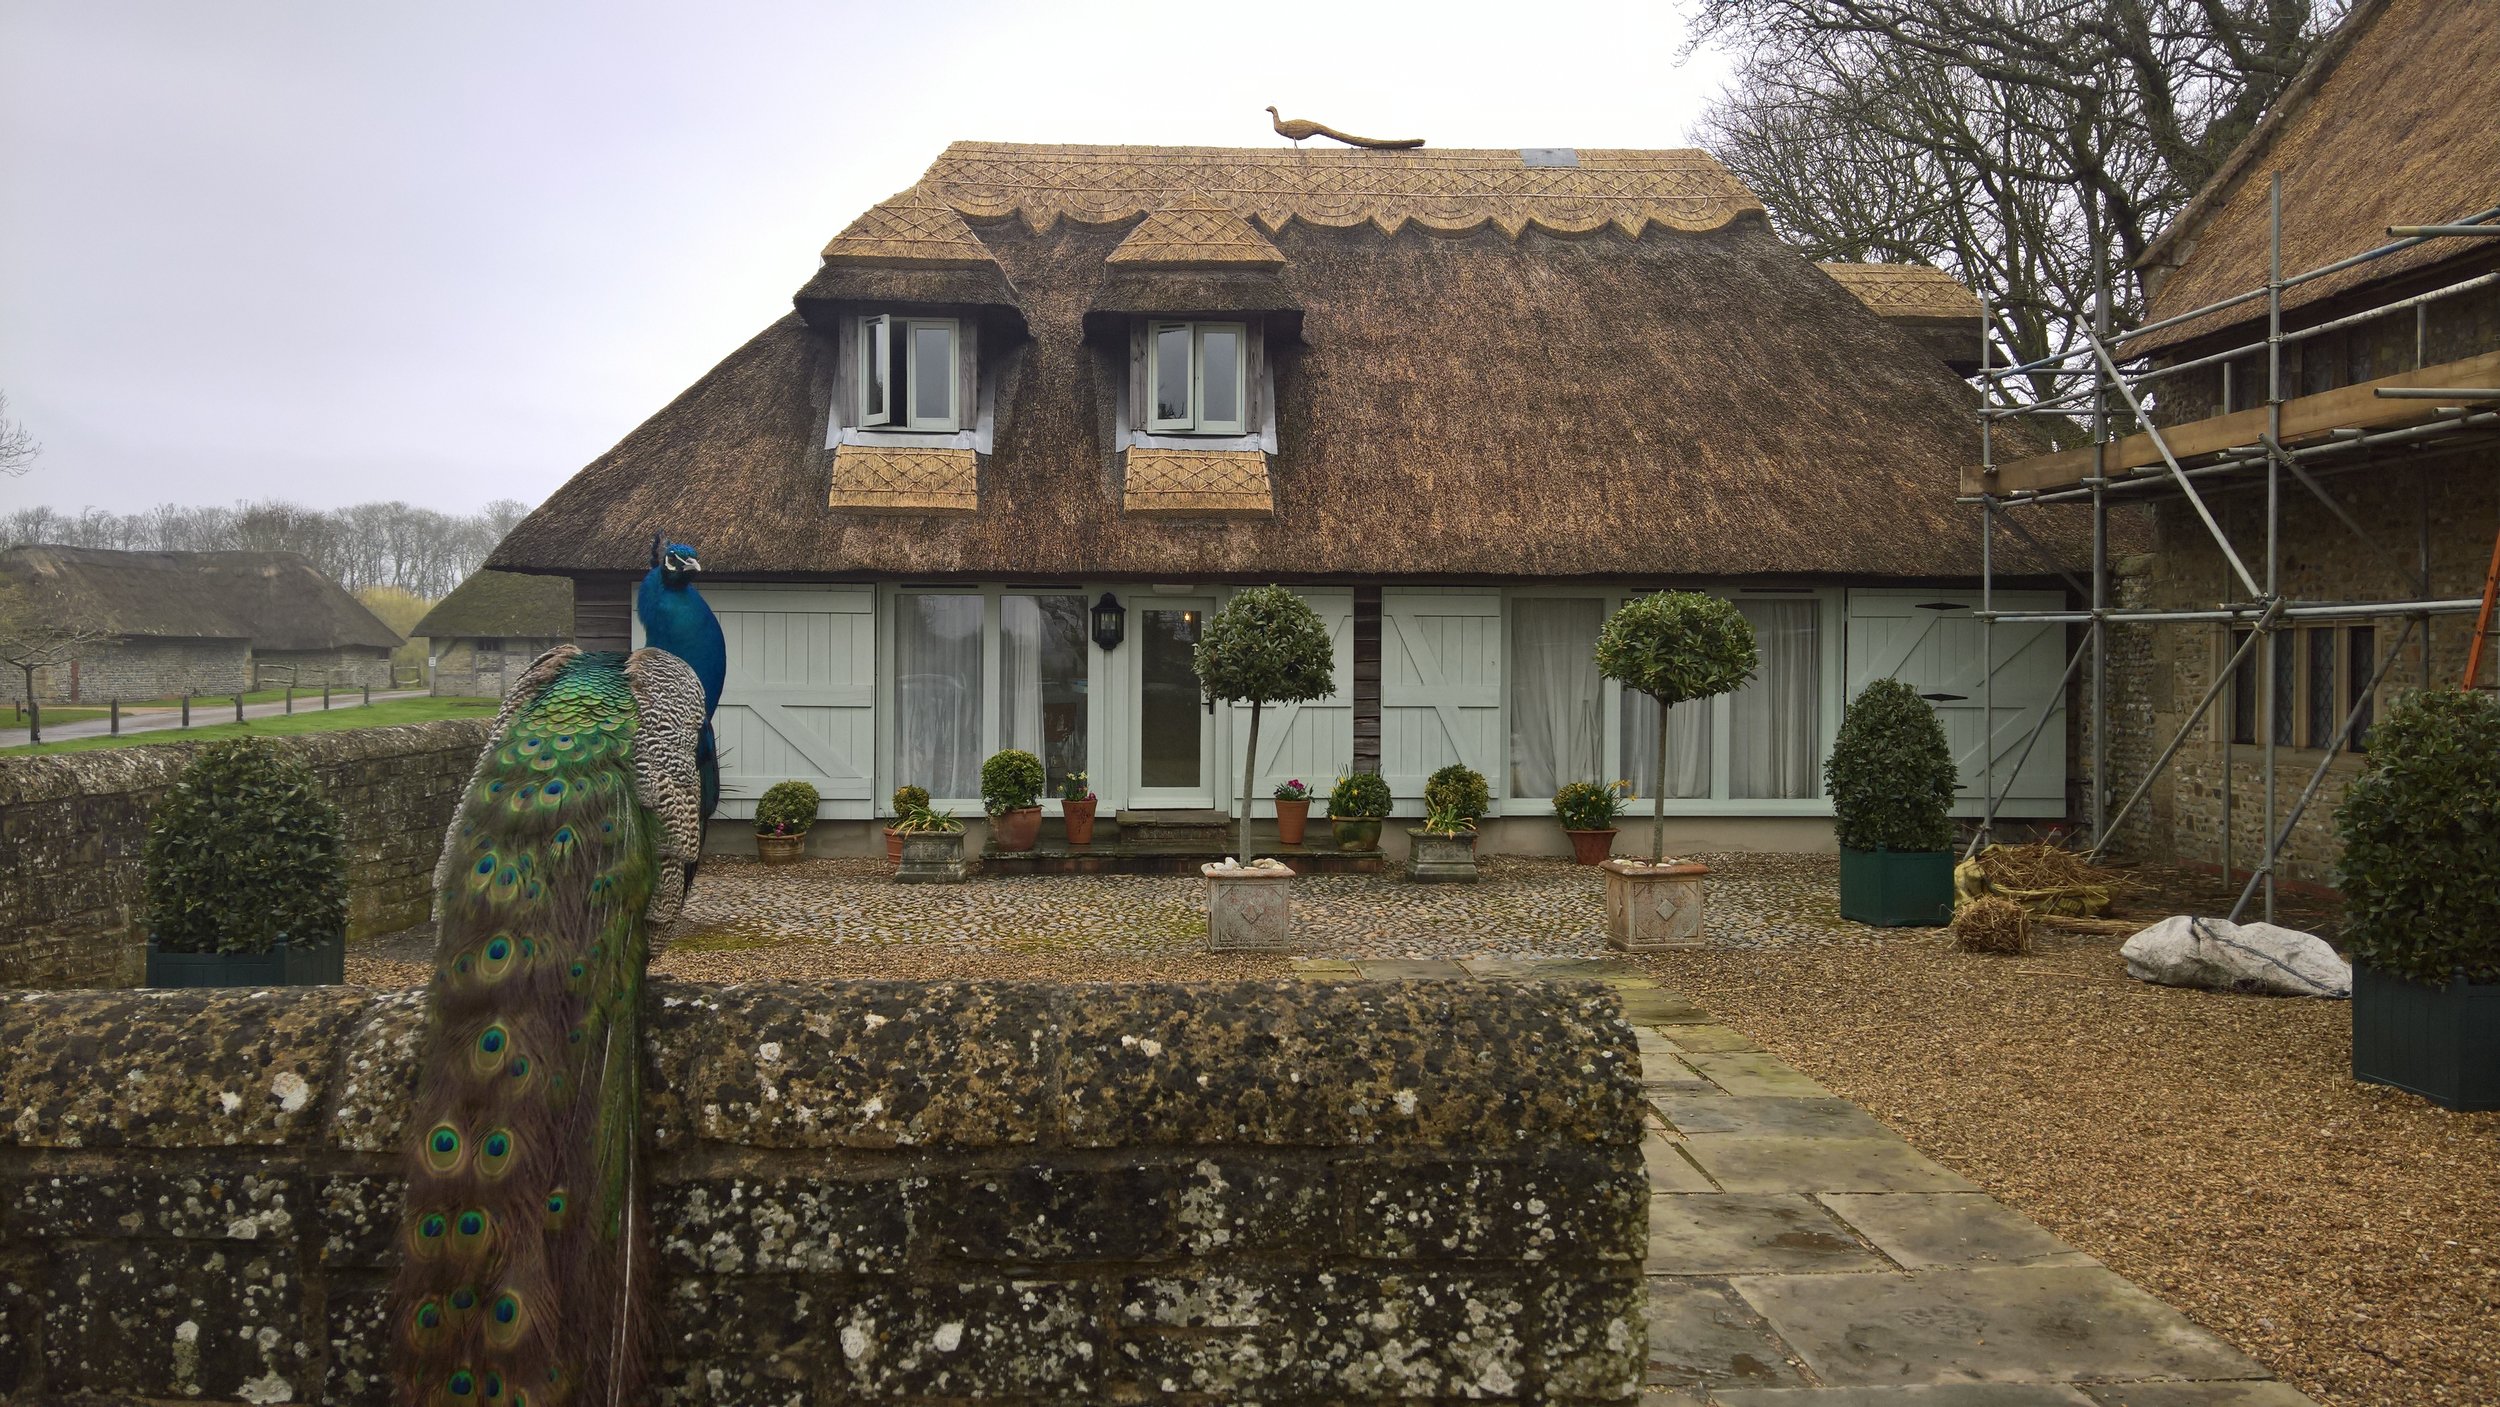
x: 481, y: 636
x: 194, y: 622
x: 2393, y: 499
x: 1465, y: 401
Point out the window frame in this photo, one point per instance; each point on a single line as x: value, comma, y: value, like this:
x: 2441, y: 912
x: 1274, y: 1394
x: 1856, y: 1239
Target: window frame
x: 1195, y: 422
x: 991, y: 721
x: 873, y: 355
x: 2279, y: 698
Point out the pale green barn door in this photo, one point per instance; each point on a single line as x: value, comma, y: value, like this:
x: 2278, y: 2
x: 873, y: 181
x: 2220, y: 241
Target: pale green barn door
x: 1440, y: 686
x: 1932, y: 641
x: 800, y: 703
x: 1313, y: 741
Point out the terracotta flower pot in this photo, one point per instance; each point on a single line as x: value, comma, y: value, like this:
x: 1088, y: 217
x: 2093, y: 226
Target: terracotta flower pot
x: 1591, y: 847
x: 1016, y: 830
x: 893, y: 848
x: 1080, y: 818
x: 781, y: 849
x: 1291, y: 818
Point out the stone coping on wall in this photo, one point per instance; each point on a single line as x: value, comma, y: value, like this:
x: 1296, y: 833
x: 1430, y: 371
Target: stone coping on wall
x: 893, y: 1192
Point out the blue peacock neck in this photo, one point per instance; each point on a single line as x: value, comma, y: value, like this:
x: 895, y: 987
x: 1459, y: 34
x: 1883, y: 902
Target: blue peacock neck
x: 675, y: 618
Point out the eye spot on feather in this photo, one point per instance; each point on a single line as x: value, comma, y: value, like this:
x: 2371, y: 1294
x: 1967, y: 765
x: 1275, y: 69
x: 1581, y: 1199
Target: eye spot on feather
x: 462, y: 1383
x: 464, y: 1299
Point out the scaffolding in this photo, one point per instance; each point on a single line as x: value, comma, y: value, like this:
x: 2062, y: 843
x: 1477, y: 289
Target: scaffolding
x: 2297, y: 445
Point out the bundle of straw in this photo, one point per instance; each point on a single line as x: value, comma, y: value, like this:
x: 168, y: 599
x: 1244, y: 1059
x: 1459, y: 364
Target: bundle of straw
x: 2042, y: 878
x: 1992, y: 925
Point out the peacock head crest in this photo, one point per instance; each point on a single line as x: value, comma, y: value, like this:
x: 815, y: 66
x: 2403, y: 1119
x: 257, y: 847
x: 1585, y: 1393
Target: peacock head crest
x: 675, y: 561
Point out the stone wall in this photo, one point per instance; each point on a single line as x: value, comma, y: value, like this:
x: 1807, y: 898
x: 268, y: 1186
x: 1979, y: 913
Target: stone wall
x: 877, y: 1192
x: 469, y: 667
x: 135, y: 667
x: 347, y: 667
x: 2158, y: 672
x: 73, y: 828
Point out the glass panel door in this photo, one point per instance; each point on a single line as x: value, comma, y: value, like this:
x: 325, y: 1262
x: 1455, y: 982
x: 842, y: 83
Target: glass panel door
x: 1175, y: 734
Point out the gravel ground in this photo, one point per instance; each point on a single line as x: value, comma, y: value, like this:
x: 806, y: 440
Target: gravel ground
x: 2214, y: 1149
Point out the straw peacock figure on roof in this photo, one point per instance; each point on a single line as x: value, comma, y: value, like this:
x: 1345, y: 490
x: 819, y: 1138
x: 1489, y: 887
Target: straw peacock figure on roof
x: 575, y: 842
x: 1302, y: 129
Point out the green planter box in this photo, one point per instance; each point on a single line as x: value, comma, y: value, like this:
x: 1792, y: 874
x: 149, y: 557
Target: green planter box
x: 1897, y: 888
x: 322, y: 962
x: 2442, y: 1043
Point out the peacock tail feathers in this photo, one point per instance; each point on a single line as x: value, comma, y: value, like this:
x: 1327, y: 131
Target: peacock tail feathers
x: 518, y: 1285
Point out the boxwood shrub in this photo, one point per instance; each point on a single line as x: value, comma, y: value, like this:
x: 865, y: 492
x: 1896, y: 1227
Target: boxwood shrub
x: 1891, y: 772
x: 243, y: 851
x: 786, y: 808
x: 1361, y: 796
x: 1010, y: 781
x: 2420, y: 868
x: 1458, y: 790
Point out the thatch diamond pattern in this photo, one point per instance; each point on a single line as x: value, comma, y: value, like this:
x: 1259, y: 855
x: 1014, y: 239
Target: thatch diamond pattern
x: 905, y: 479
x: 914, y: 227
x: 1197, y: 235
x: 1906, y: 290
x: 1197, y: 481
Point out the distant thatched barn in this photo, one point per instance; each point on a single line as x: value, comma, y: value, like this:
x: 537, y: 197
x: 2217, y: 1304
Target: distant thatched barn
x: 481, y: 636
x: 1466, y: 401
x: 194, y: 622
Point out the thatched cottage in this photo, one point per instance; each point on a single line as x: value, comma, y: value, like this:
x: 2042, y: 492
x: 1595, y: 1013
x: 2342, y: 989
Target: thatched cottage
x: 1033, y: 418
x: 481, y: 636
x: 194, y: 623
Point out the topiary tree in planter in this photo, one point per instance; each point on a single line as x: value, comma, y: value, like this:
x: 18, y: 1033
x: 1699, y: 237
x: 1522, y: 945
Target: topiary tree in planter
x: 1675, y: 646
x: 1264, y: 647
x: 2420, y: 873
x: 1892, y: 780
x: 783, y: 816
x: 243, y: 853
x: 1011, y: 791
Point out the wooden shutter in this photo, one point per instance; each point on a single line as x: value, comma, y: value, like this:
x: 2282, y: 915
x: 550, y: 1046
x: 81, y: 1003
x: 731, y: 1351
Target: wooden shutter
x: 800, y: 703
x: 1440, y: 685
x: 1932, y: 641
x: 1314, y: 740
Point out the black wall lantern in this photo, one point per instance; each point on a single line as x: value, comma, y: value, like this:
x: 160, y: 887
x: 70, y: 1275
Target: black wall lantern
x: 1110, y: 622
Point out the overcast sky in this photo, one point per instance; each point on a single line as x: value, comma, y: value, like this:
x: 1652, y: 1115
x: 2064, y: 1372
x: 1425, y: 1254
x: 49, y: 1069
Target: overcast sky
x: 449, y: 252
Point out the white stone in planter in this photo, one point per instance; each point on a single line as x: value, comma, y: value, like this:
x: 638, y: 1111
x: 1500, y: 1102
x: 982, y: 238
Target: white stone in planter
x: 1249, y: 907
x: 2236, y: 957
x: 1653, y: 906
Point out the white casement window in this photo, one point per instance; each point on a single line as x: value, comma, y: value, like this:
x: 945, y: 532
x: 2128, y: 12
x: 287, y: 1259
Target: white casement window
x: 908, y: 373
x: 1195, y: 382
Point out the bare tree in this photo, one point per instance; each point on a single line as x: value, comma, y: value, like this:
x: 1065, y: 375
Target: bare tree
x: 32, y: 639
x: 2006, y: 141
x: 18, y: 447
x: 418, y: 550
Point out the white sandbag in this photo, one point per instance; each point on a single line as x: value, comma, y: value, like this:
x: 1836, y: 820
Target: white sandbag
x: 2236, y: 957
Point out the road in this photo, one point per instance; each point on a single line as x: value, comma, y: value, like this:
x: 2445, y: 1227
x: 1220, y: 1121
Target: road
x: 204, y: 712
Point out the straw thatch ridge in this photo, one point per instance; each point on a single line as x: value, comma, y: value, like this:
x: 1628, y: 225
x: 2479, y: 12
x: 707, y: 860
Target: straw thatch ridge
x: 840, y: 283
x: 1908, y: 291
x: 275, y: 600
x: 1686, y: 404
x: 1128, y: 291
x: 2391, y: 123
x: 502, y: 604
x: 1196, y: 233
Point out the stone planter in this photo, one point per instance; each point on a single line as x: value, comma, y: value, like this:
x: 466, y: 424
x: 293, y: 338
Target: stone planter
x: 893, y: 847
x: 931, y: 857
x: 1292, y: 818
x: 2442, y: 1043
x: 1080, y: 818
x: 1433, y: 858
x: 1249, y: 910
x: 1591, y: 847
x: 1356, y: 832
x: 1649, y: 907
x: 1897, y: 888
x: 781, y: 849
x: 321, y: 962
x: 1015, y: 830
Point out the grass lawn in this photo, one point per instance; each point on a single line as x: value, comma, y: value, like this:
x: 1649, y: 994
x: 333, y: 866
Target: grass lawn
x: 314, y: 720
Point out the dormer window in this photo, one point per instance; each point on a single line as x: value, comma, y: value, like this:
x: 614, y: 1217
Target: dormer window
x: 908, y: 373
x: 1195, y: 381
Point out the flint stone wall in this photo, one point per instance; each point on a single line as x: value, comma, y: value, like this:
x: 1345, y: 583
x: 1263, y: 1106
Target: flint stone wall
x: 876, y: 1192
x: 74, y: 828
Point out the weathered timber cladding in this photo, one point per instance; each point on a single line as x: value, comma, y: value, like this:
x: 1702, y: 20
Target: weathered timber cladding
x: 1366, y: 679
x: 603, y: 613
x: 73, y: 829
x: 879, y: 1192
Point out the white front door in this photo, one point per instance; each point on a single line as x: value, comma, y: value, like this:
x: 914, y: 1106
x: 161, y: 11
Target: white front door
x: 1175, y: 733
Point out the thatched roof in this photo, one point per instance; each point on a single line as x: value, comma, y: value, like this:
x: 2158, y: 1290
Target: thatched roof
x: 1908, y: 291
x: 276, y: 600
x: 503, y: 604
x: 2392, y: 123
x: 1614, y: 369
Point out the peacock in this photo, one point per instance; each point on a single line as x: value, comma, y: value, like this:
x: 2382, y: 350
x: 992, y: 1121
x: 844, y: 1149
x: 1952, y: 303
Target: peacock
x: 575, y: 842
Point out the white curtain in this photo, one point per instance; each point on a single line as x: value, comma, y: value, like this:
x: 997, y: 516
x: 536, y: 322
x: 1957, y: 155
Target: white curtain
x: 1556, y: 730
x: 1020, y: 674
x: 1688, y: 744
x: 1775, y: 733
x: 937, y: 714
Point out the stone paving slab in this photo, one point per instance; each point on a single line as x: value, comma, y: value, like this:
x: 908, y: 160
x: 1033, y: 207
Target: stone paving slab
x: 1921, y: 1231
x: 1743, y: 1162
x: 1821, y: 1116
x: 1701, y: 1036
x: 1702, y: 1334
x: 1717, y: 1233
x: 2243, y: 1394
x: 1669, y: 1169
x: 2053, y: 1323
x: 1752, y: 1072
x: 1939, y: 1395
